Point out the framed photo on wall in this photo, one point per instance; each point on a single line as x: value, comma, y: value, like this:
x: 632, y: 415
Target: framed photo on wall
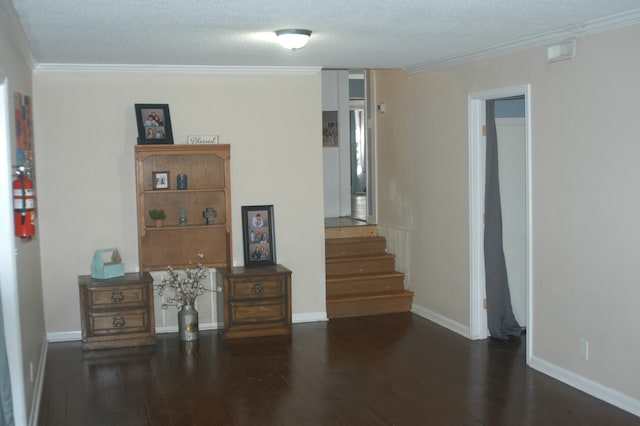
x: 330, y: 129
x: 258, y: 235
x: 154, y: 124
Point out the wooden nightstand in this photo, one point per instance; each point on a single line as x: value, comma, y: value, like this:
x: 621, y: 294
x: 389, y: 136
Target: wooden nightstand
x: 117, y: 312
x: 255, y: 301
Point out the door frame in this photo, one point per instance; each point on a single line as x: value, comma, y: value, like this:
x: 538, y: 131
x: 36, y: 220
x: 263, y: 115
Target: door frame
x: 8, y: 266
x: 371, y: 142
x: 478, y: 328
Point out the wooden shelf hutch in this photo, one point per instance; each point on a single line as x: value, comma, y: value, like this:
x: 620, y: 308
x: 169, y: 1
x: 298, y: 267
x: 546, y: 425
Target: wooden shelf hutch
x: 208, y: 186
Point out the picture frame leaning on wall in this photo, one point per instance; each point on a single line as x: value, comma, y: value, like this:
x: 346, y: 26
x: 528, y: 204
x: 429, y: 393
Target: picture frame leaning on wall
x: 258, y: 235
x: 154, y: 124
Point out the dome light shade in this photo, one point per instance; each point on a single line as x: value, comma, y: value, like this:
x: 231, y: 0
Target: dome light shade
x: 293, y: 39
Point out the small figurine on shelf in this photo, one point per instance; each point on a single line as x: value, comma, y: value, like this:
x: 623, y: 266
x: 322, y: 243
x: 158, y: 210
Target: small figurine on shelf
x: 158, y: 215
x: 182, y: 217
x: 209, y: 214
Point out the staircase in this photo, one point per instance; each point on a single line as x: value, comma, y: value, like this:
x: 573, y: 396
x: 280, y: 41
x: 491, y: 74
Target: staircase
x: 361, y: 275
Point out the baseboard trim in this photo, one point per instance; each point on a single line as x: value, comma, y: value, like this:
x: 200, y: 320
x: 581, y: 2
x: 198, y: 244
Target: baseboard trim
x: 309, y: 317
x: 612, y: 396
x: 441, y: 320
x: 64, y: 336
x: 174, y: 328
x: 39, y: 383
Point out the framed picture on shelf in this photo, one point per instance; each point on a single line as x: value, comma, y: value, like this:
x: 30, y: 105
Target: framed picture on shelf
x: 160, y: 180
x: 258, y: 235
x: 154, y: 124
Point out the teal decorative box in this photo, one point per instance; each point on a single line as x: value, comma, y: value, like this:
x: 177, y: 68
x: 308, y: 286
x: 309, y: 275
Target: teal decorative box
x: 104, y: 266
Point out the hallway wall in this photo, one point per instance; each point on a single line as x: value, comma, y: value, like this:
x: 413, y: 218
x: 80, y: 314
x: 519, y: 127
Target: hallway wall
x: 20, y: 272
x: 584, y: 220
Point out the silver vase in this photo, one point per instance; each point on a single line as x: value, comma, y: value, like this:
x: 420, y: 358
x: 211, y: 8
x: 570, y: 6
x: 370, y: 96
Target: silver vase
x: 188, y: 323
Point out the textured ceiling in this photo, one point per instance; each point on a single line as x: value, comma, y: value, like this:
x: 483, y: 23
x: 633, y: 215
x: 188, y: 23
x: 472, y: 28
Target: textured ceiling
x: 346, y: 33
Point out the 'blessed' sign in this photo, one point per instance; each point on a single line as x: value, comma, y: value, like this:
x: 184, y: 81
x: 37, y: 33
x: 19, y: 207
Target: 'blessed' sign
x: 202, y: 139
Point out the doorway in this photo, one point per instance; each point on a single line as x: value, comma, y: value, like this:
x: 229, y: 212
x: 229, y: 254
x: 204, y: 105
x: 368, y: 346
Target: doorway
x: 517, y: 193
x: 510, y: 128
x: 358, y: 143
x: 347, y: 171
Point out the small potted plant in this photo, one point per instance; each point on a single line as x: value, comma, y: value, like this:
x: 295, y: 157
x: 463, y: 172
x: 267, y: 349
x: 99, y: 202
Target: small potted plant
x: 158, y: 215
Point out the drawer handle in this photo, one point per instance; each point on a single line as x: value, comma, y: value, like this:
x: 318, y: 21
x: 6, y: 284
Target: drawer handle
x: 258, y: 288
x: 117, y: 296
x: 118, y: 322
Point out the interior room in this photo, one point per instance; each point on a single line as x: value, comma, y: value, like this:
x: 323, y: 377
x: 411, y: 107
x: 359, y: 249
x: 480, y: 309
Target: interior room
x: 417, y: 181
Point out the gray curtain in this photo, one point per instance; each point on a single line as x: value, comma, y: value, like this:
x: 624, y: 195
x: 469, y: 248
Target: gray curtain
x: 502, y: 322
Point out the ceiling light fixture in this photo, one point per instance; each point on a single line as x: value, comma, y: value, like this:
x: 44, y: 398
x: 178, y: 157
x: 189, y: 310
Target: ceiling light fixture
x: 293, y: 39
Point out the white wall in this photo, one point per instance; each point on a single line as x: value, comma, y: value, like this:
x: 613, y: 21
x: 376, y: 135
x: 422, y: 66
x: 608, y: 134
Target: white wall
x: 584, y: 201
x: 87, y: 132
x: 20, y: 276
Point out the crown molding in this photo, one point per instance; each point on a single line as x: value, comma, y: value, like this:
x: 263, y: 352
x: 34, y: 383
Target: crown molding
x: 175, y: 69
x: 592, y: 27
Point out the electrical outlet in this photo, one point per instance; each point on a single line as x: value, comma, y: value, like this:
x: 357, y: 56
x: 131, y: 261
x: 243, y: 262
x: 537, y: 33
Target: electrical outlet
x: 584, y: 349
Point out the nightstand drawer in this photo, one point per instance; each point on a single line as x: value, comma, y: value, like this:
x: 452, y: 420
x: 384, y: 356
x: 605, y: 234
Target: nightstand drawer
x: 258, y: 312
x: 269, y: 287
x: 116, y: 323
x: 108, y: 298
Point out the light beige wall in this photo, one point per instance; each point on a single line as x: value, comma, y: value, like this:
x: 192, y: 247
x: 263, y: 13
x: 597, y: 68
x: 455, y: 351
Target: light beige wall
x: 585, y: 200
x: 393, y: 151
x: 394, y: 196
x: 88, y: 132
x: 440, y: 237
x: 20, y: 276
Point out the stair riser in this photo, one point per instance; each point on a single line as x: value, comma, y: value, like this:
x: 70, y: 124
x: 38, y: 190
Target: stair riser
x: 350, y: 232
x: 368, y: 307
x: 363, y: 247
x: 363, y: 266
x: 364, y: 285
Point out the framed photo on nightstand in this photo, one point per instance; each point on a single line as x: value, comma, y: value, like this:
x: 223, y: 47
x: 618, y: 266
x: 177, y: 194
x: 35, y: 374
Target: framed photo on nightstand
x: 258, y: 235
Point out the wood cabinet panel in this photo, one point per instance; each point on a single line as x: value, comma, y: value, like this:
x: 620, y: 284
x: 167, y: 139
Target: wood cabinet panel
x: 175, y: 246
x: 258, y: 312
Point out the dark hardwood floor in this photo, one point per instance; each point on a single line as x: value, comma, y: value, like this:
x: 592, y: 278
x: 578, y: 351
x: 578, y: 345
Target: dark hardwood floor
x: 395, y: 369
